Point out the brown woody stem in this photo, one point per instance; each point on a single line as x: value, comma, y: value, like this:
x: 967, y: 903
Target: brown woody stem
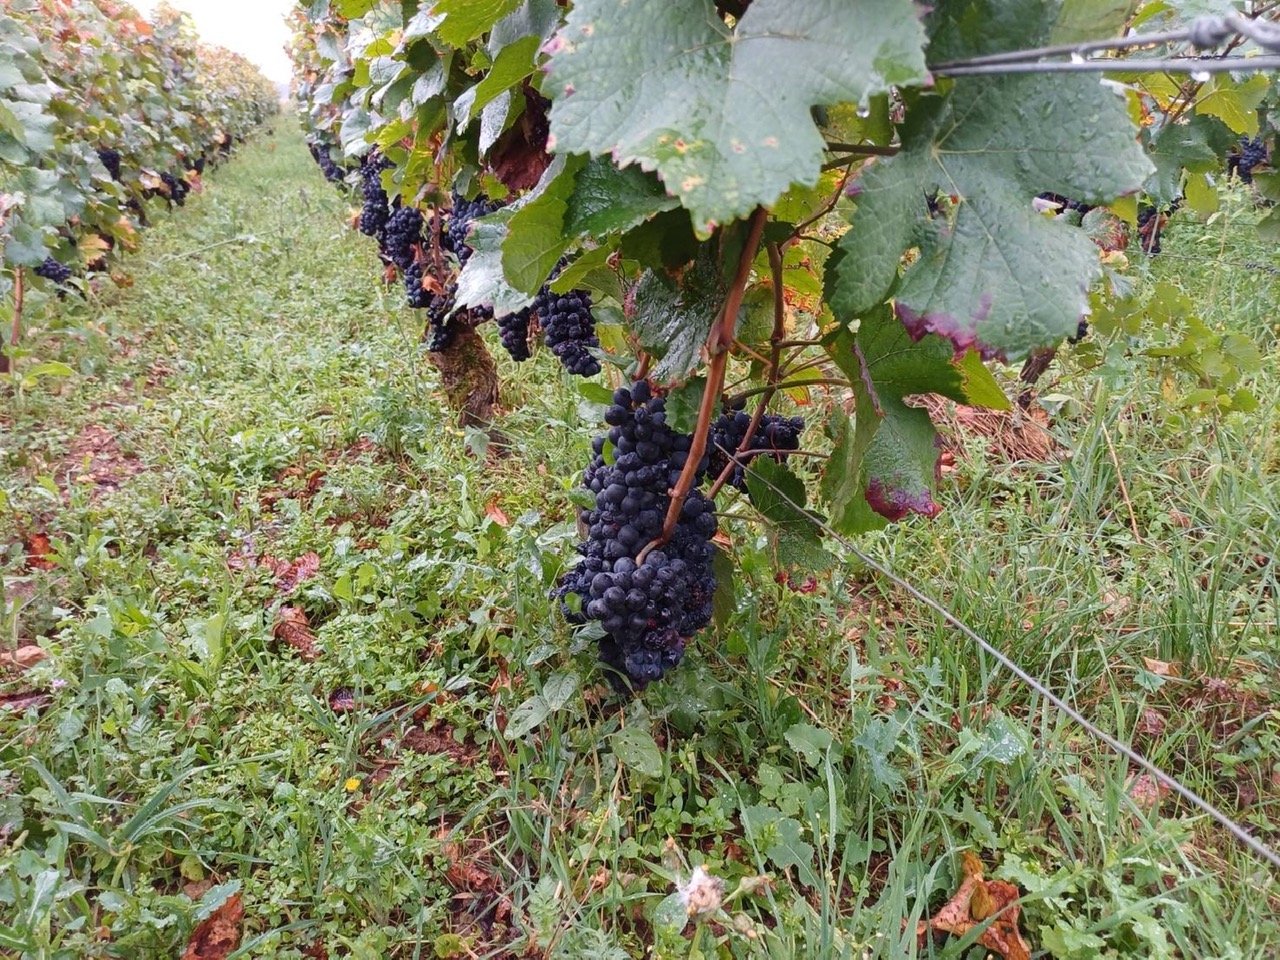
x: 775, y: 361
x: 719, y: 341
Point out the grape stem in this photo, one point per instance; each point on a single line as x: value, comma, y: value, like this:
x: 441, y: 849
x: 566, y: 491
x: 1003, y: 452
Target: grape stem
x: 16, y: 330
x: 719, y: 340
x: 775, y: 362
x: 788, y: 385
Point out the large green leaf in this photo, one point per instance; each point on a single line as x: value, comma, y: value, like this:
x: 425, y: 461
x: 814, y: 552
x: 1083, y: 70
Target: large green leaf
x: 722, y: 115
x: 1000, y: 276
x: 464, y: 20
x: 672, y: 321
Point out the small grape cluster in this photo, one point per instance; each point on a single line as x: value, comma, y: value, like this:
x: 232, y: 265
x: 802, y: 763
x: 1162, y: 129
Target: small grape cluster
x: 177, y: 186
x: 513, y: 331
x: 440, y: 327
x: 569, y: 328
x: 402, y: 233
x: 376, y: 209
x: 320, y: 153
x: 1252, y: 152
x: 111, y: 160
x: 464, y: 213
x: 775, y: 436
x: 53, y: 271
x: 648, y: 610
x: 417, y: 295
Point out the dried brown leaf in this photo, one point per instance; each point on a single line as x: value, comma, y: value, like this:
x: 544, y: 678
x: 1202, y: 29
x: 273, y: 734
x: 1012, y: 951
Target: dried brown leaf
x: 976, y: 901
x: 293, y: 629
x: 218, y: 935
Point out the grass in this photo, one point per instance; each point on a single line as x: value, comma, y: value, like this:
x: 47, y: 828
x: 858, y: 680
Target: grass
x: 255, y: 397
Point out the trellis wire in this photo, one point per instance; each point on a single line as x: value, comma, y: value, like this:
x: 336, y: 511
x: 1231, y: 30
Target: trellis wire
x: 1255, y: 845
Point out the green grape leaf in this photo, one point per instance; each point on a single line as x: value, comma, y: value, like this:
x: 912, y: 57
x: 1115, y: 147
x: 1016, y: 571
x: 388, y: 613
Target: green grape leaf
x: 795, y: 533
x: 1178, y: 147
x: 513, y: 64
x: 998, y: 276
x: 884, y: 465
x: 672, y: 322
x: 482, y: 281
x: 535, y: 239
x: 672, y: 88
x: 464, y: 20
x: 606, y: 199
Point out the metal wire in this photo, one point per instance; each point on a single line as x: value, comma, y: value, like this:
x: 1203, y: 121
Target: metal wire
x: 1204, y: 33
x: 1191, y: 65
x: 1256, y: 846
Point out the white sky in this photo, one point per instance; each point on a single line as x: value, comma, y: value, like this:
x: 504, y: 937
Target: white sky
x: 255, y: 28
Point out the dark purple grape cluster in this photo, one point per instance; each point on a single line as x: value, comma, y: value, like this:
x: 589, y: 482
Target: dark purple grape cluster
x: 775, y: 436
x: 53, y: 271
x: 177, y: 186
x: 198, y: 164
x: 440, y: 325
x: 111, y: 160
x: 376, y: 209
x: 569, y: 328
x: 320, y: 153
x: 513, y: 330
x: 460, y: 219
x: 648, y: 610
x: 418, y: 297
x: 403, y: 231
x: 1252, y: 152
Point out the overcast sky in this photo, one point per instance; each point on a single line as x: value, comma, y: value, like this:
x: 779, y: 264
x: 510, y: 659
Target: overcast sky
x: 255, y: 28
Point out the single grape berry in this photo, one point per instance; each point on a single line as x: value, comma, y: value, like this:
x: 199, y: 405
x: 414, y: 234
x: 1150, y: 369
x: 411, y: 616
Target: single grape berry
x: 53, y: 271
x: 775, y: 436
x: 513, y: 330
x: 569, y: 328
x: 648, y: 610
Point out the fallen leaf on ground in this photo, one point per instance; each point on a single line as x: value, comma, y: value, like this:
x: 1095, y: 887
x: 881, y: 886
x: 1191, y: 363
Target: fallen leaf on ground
x: 1146, y: 792
x: 1161, y: 668
x: 24, y: 658
x: 342, y: 700
x: 496, y: 514
x: 18, y: 702
x: 218, y: 935
x: 976, y: 901
x: 290, y: 573
x: 38, y: 552
x: 292, y: 628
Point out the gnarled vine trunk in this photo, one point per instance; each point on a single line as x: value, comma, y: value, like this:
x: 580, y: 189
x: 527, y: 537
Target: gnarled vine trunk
x: 469, y: 377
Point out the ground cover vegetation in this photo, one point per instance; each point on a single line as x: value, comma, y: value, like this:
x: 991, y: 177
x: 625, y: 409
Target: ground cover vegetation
x: 336, y: 634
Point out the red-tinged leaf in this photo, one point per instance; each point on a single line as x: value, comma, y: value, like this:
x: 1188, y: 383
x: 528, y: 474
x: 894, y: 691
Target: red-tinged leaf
x: 291, y: 573
x: 342, y: 700
x: 496, y: 514
x: 975, y: 902
x: 218, y: 935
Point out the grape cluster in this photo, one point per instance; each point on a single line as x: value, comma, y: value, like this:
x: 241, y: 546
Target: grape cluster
x: 111, y: 160
x: 569, y: 328
x: 403, y: 231
x: 440, y: 327
x: 648, y: 610
x: 54, y: 271
x: 464, y: 212
x: 198, y: 164
x: 178, y: 188
x: 1249, y: 154
x: 320, y: 153
x: 376, y: 210
x: 775, y: 435
x: 417, y: 296
x: 513, y: 330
